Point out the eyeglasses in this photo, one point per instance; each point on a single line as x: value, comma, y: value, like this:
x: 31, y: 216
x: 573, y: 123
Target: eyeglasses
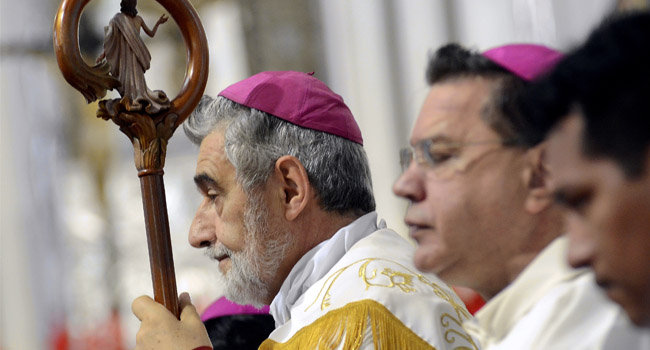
x: 434, y: 152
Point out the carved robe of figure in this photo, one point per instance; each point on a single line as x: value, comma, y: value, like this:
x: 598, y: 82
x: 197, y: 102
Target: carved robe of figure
x: 129, y: 58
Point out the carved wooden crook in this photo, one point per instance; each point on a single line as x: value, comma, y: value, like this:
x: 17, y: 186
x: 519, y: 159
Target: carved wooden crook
x: 149, y: 133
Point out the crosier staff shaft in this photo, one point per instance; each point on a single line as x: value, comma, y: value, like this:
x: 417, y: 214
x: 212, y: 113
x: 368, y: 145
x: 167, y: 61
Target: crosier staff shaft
x: 149, y: 132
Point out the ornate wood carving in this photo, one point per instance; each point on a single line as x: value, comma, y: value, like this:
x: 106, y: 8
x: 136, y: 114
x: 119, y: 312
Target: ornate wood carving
x: 149, y: 129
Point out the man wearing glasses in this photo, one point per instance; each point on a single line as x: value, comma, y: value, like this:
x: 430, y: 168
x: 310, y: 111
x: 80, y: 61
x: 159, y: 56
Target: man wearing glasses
x: 481, y: 211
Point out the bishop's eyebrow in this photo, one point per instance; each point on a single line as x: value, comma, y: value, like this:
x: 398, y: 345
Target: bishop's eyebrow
x: 204, y: 181
x: 435, y: 139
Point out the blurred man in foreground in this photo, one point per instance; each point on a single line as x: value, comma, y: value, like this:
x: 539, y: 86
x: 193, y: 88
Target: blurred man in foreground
x: 596, y: 110
x: 482, y: 213
x: 288, y: 213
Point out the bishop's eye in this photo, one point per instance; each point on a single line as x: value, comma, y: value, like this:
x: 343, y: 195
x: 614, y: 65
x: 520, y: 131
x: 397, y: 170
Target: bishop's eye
x: 212, y: 195
x: 439, y: 157
x: 576, y: 200
x: 439, y: 153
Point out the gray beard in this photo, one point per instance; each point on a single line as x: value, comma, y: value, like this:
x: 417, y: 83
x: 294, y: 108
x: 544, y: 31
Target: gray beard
x: 260, y: 260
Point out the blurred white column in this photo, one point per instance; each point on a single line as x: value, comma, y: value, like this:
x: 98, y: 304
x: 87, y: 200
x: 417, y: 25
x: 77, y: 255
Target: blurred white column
x: 420, y: 27
x: 561, y: 24
x: 558, y: 23
x: 479, y: 24
x: 30, y: 150
x: 375, y: 57
x: 225, y: 31
x: 17, y: 310
x: 32, y: 251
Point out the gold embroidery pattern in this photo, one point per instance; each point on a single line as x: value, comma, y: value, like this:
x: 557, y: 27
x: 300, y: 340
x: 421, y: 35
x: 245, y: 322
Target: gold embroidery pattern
x: 404, y: 280
x: 450, y: 334
x: 399, y: 279
x: 347, y: 325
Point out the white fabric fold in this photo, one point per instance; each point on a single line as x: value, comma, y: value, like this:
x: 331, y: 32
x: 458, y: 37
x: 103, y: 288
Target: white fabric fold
x: 318, y: 262
x: 552, y: 306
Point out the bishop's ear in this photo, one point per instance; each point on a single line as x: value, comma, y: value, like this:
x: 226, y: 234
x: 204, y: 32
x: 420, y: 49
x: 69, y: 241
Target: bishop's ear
x: 296, y: 191
x: 536, y: 178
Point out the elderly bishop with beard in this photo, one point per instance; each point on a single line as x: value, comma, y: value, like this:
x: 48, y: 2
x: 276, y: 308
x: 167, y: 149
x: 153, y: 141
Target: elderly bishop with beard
x: 288, y: 214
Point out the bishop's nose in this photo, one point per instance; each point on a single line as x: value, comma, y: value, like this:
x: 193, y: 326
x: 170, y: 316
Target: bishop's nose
x: 581, y: 243
x: 409, y: 185
x: 202, y: 231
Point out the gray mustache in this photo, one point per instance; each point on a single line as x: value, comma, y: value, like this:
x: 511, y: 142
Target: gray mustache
x: 215, y: 251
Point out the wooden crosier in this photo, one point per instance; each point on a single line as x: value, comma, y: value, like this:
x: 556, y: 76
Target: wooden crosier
x: 149, y: 132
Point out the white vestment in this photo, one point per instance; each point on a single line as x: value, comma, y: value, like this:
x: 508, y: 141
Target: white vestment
x: 360, y: 289
x: 552, y: 306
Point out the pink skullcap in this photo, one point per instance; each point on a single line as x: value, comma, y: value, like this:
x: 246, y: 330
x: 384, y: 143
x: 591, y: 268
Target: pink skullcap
x: 298, y: 98
x: 225, y: 307
x: 527, y: 61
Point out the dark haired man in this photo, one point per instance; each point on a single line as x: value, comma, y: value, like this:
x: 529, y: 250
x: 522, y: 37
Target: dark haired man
x: 288, y: 213
x: 234, y: 326
x: 594, y: 107
x: 482, y: 213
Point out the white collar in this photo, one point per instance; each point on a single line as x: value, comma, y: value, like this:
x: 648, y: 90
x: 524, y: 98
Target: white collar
x: 317, y: 262
x: 546, y: 271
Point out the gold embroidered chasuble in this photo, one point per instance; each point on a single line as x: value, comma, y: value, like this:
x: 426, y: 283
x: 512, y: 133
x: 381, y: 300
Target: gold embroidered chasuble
x: 553, y: 306
x: 373, y: 297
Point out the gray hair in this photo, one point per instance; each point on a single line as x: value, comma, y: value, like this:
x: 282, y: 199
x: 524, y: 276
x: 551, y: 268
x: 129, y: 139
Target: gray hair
x: 337, y: 168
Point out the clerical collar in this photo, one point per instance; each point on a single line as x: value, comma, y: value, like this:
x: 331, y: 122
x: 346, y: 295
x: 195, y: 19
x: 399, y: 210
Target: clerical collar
x: 318, y: 262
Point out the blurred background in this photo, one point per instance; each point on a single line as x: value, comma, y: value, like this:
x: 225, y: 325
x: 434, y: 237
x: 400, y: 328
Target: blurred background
x: 73, y: 249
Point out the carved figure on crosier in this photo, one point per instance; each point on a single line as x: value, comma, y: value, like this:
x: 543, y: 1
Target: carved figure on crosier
x: 127, y: 59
